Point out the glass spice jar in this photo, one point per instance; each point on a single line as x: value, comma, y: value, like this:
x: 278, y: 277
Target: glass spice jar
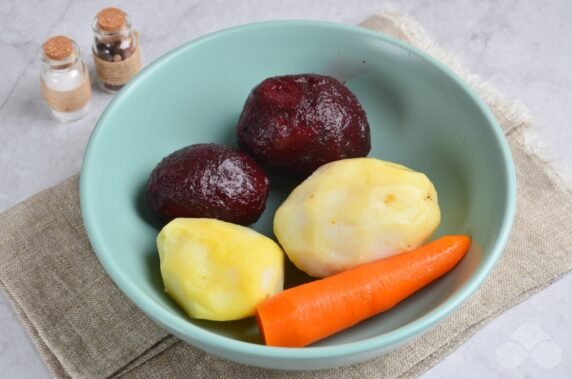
x: 115, y: 49
x: 64, y: 79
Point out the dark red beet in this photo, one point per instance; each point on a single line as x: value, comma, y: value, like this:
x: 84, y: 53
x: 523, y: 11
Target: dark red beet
x: 296, y: 123
x: 208, y: 181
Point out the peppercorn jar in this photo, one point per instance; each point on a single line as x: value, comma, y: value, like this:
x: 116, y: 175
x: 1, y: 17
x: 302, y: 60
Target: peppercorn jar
x: 64, y: 79
x: 115, y: 49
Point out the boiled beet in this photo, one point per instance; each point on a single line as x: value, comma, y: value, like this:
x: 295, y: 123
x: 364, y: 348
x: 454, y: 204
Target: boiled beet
x: 296, y: 123
x: 208, y: 181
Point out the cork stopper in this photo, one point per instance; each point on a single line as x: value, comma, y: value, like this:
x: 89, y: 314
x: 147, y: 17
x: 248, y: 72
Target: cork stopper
x: 58, y: 48
x: 110, y: 19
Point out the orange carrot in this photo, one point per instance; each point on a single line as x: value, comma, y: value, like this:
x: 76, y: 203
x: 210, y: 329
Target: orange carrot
x: 307, y: 313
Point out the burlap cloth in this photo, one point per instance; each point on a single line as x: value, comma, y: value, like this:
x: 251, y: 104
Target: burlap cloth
x: 83, y: 326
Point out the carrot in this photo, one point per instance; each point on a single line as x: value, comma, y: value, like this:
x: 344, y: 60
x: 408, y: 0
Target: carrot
x: 307, y: 313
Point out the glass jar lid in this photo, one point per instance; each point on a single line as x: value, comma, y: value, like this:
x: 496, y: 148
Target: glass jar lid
x: 111, y: 21
x: 59, y: 50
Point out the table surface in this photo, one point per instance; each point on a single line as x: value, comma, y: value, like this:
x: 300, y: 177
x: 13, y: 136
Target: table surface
x: 523, y: 47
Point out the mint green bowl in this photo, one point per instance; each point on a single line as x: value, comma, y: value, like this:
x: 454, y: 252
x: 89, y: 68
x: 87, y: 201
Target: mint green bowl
x: 421, y: 115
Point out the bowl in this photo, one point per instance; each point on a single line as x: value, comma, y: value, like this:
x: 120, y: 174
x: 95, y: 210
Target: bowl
x: 421, y: 115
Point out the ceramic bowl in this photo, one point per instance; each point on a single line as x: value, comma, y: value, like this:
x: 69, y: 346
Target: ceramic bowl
x: 421, y: 115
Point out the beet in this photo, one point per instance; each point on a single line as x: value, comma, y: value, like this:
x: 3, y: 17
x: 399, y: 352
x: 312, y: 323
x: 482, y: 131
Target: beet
x: 208, y: 181
x: 294, y: 124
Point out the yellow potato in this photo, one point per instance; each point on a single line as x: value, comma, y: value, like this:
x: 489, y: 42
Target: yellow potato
x: 355, y: 211
x: 216, y: 270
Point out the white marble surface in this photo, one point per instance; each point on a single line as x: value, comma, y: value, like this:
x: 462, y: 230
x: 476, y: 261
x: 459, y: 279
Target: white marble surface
x: 523, y: 47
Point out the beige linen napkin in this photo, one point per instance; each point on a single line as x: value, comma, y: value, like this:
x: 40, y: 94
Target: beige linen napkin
x: 83, y: 326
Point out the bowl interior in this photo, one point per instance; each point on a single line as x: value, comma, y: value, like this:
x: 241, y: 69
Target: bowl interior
x: 419, y: 115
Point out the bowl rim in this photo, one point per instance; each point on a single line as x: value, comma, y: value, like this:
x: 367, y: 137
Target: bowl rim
x: 202, y: 337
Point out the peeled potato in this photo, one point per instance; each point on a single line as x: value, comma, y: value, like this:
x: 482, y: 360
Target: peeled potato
x: 355, y: 211
x: 216, y: 270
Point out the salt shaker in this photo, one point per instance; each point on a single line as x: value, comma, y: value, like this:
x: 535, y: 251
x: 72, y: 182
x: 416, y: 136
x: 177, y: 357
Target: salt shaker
x: 115, y: 49
x: 64, y: 79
